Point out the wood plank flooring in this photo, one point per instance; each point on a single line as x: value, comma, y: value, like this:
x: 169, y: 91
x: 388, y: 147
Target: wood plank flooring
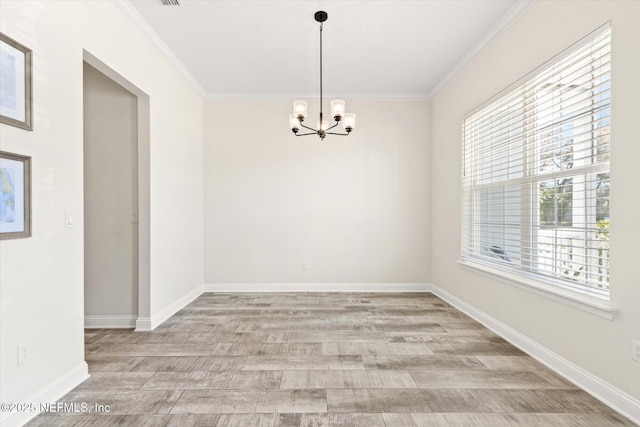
x: 321, y: 359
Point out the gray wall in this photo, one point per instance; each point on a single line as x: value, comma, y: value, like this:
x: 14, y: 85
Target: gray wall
x: 110, y: 197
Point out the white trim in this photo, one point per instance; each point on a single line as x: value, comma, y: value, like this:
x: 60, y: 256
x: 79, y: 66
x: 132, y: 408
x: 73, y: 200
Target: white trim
x: 47, y: 394
x: 501, y: 26
x: 144, y: 135
x: 145, y: 324
x: 617, y: 399
x: 316, y: 287
x: 115, y: 321
x: 238, y: 96
x: 128, y: 10
x: 593, y: 305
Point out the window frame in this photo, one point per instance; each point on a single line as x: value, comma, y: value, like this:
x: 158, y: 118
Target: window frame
x: 581, y: 296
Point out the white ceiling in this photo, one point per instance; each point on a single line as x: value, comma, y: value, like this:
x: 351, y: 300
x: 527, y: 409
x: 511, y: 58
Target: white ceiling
x: 371, y: 48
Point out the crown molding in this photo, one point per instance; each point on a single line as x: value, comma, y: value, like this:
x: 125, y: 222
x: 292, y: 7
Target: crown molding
x: 239, y: 96
x: 128, y: 10
x: 501, y: 26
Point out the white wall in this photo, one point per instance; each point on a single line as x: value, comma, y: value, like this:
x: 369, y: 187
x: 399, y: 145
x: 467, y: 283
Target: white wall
x: 110, y: 196
x: 41, y: 278
x: 599, y: 346
x: 356, y: 207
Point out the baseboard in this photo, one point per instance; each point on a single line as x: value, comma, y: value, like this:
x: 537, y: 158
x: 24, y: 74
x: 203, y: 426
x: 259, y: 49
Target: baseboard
x: 150, y: 323
x: 316, y: 287
x: 622, y: 402
x: 109, y: 322
x: 52, y: 392
x: 143, y: 324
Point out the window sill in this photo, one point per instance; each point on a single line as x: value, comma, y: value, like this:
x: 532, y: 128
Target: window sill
x: 586, y: 303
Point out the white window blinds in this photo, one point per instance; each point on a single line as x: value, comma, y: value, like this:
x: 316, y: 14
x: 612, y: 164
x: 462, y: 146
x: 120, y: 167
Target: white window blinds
x: 535, y: 182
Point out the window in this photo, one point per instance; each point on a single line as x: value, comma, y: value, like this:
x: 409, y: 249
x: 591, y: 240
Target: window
x: 535, y: 182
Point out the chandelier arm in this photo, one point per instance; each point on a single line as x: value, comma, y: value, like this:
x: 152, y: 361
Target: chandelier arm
x: 337, y: 123
x: 306, y: 134
x: 307, y: 127
x: 339, y: 134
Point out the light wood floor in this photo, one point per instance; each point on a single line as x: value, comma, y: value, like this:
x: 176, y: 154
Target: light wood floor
x: 321, y: 359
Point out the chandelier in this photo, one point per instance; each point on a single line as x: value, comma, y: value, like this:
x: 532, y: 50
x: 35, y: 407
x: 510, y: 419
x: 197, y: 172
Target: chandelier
x: 337, y: 106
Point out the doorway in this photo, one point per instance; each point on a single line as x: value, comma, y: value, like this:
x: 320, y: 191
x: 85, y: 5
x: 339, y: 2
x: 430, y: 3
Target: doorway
x: 116, y: 200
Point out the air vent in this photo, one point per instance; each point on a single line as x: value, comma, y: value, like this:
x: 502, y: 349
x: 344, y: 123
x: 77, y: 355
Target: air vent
x: 170, y: 2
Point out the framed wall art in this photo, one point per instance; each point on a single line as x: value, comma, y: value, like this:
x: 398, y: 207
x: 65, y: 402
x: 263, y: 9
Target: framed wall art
x: 15, y: 83
x: 15, y: 196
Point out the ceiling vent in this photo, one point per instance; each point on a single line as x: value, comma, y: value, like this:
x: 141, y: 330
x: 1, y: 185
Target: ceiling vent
x: 170, y: 2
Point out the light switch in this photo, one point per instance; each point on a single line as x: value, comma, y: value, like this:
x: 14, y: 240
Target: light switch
x: 69, y: 220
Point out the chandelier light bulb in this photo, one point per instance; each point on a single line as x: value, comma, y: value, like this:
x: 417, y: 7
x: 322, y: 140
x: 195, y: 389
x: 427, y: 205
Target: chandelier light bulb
x: 294, y: 123
x: 300, y: 109
x: 337, y: 109
x: 324, y: 126
x: 349, y: 122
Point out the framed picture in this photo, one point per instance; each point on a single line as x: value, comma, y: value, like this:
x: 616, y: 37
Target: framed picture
x: 15, y: 83
x: 15, y: 196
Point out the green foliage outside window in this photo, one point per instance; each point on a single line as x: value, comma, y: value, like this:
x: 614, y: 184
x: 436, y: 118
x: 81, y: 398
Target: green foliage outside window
x: 556, y: 202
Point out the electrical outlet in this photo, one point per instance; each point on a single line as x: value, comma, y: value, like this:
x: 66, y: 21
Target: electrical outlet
x: 635, y: 350
x: 24, y: 352
x: 306, y: 265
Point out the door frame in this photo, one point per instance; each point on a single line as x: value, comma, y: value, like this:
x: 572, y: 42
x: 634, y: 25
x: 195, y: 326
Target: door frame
x: 143, y: 321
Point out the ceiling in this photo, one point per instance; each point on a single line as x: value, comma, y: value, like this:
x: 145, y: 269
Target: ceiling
x: 371, y: 48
